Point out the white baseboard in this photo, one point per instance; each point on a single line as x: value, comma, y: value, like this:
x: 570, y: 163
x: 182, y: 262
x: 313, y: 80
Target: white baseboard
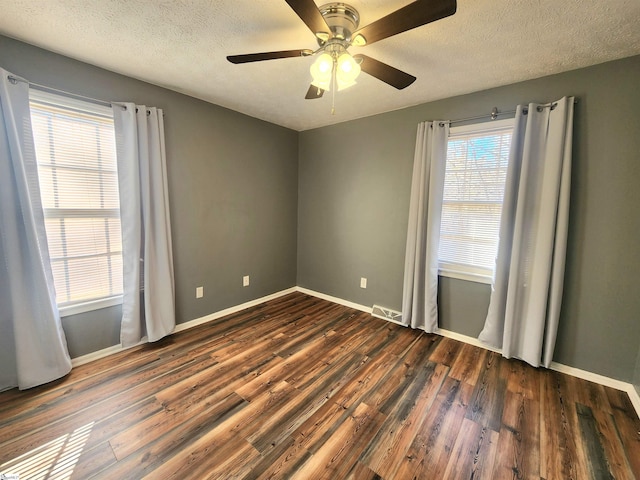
x: 634, y: 396
x: 558, y: 367
x: 590, y: 376
x: 105, y: 352
x: 337, y: 300
x: 228, y: 311
x: 466, y: 339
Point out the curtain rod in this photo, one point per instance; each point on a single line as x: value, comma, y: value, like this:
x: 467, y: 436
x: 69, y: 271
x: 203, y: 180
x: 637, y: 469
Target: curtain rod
x: 14, y: 79
x: 493, y: 116
x: 495, y: 113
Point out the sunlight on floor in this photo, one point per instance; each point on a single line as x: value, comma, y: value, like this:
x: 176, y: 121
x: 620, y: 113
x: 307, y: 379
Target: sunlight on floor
x: 52, y: 461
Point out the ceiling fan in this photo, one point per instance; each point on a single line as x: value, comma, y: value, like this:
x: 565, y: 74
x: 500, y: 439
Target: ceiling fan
x: 335, y: 26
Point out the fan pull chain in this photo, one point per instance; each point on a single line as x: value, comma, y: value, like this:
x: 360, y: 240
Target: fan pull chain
x: 333, y: 88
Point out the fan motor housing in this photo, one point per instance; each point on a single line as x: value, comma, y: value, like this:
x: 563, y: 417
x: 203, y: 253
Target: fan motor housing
x: 341, y: 18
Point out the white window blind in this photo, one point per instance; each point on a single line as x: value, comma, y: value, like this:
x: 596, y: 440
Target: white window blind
x: 75, y: 150
x: 477, y: 159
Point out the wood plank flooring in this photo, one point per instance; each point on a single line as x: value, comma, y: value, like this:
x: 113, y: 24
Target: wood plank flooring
x: 303, y: 388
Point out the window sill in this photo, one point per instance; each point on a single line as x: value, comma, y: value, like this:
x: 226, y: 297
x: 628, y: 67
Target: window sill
x: 469, y: 277
x: 89, y: 306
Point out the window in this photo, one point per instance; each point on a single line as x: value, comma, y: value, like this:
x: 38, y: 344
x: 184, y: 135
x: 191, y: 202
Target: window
x: 75, y: 151
x: 477, y: 158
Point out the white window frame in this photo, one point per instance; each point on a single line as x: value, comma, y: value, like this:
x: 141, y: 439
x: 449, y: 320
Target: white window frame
x: 469, y: 272
x: 53, y: 99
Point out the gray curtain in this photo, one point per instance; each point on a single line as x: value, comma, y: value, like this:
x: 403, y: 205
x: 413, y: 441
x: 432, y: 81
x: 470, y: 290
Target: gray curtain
x: 527, y: 291
x: 420, y: 289
x: 146, y: 227
x: 33, y: 348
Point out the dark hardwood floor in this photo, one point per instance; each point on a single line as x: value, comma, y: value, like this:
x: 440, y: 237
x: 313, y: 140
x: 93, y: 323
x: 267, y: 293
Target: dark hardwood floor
x: 303, y: 388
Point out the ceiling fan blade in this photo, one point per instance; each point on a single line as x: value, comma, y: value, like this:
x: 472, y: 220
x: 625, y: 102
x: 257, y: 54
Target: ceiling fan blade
x: 310, y: 15
x: 259, y: 57
x: 411, y: 16
x: 386, y: 73
x: 314, y: 92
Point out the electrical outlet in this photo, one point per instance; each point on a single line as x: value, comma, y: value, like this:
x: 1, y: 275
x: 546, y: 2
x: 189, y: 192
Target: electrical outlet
x: 245, y: 281
x: 199, y: 292
x: 363, y: 282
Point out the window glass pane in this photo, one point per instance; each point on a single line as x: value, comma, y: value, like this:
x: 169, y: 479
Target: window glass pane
x: 54, y: 228
x: 89, y: 278
x: 115, y: 235
x: 116, y: 278
x: 472, y: 202
x: 77, y: 190
x: 75, y: 149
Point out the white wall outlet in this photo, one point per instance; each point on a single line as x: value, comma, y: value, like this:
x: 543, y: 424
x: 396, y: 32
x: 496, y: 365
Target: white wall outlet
x: 245, y: 281
x: 363, y: 282
x: 199, y: 292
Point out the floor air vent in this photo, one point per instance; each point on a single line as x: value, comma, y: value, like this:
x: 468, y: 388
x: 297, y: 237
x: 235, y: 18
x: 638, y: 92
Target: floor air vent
x: 387, y: 314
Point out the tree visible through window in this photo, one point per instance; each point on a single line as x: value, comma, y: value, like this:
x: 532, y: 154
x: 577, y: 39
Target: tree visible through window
x: 477, y: 159
x: 75, y: 150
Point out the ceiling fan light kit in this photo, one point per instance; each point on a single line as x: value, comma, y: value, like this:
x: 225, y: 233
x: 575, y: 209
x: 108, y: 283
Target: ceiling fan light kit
x: 334, y: 68
x: 336, y: 28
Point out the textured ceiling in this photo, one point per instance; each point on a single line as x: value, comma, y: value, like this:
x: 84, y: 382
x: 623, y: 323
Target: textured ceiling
x: 182, y: 45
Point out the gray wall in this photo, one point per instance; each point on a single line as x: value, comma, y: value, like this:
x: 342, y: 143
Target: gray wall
x: 353, y: 199
x: 239, y: 188
x: 232, y: 192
